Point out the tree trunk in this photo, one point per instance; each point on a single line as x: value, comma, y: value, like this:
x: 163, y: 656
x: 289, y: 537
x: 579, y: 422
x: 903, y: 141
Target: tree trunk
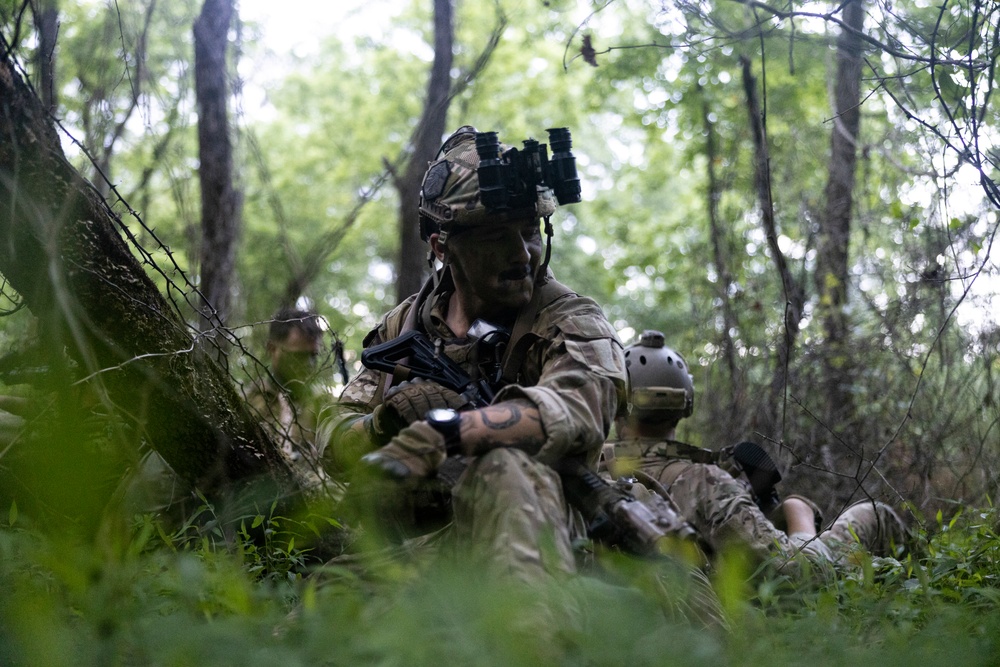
x: 720, y: 259
x: 62, y: 252
x: 47, y: 27
x: 794, y: 294
x: 835, y: 235
x: 220, y: 201
x: 426, y: 141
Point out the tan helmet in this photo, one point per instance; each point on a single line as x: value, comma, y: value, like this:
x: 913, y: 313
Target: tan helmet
x: 662, y: 389
x: 449, y: 193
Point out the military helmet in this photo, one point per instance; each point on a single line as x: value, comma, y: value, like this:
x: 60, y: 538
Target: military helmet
x: 449, y: 193
x: 661, y: 386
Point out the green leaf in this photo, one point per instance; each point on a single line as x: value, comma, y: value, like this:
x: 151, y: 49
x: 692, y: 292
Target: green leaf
x: 952, y: 89
x: 12, y: 515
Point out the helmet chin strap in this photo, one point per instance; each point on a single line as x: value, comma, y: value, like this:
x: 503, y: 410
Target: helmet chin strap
x: 435, y: 274
x: 428, y: 303
x: 544, y: 266
x: 443, y: 236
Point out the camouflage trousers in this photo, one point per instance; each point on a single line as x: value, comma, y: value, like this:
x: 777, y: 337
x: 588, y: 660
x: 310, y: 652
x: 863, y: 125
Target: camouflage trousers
x: 723, y: 511
x: 510, y: 512
x: 502, y: 514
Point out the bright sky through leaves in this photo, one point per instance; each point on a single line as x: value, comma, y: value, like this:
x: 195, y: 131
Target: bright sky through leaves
x: 294, y: 29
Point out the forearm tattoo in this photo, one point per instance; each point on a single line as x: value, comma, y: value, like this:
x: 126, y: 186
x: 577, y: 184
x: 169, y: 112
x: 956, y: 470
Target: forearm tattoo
x: 506, y: 424
x: 496, y: 423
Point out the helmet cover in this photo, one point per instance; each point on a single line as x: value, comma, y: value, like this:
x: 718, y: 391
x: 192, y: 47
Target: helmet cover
x: 661, y: 386
x: 449, y: 193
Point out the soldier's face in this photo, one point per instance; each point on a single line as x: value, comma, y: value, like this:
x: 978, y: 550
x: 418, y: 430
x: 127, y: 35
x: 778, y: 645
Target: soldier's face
x: 497, y: 263
x: 293, y: 360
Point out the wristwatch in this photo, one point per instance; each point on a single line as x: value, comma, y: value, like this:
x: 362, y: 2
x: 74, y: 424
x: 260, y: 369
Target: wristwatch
x: 446, y: 422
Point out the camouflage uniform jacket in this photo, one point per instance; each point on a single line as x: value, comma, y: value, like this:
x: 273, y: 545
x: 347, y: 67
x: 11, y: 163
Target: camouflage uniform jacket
x: 722, y: 510
x: 718, y: 505
x: 573, y: 372
x: 295, y: 426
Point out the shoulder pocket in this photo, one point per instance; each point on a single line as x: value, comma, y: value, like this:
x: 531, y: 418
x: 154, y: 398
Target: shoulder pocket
x: 602, y: 355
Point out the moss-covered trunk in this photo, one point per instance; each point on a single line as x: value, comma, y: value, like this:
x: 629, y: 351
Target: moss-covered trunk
x: 61, y: 248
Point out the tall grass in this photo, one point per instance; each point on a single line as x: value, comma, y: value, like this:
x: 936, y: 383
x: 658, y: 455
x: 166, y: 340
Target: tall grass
x: 143, y: 595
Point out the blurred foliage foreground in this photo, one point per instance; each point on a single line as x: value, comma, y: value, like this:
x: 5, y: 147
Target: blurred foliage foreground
x: 135, y: 589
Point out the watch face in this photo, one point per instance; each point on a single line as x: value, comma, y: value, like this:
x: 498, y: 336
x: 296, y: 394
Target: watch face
x: 448, y: 423
x: 441, y: 415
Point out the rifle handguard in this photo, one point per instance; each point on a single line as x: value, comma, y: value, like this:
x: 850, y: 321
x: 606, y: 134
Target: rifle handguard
x: 616, y: 518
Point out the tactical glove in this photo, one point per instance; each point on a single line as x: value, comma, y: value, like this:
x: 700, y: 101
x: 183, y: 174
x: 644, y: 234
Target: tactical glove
x: 408, y: 402
x: 416, y: 451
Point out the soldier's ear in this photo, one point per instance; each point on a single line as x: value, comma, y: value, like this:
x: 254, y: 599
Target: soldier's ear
x: 437, y: 246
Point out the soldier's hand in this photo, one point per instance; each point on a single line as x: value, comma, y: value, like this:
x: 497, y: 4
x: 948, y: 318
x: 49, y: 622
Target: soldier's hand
x: 408, y: 402
x: 416, y: 451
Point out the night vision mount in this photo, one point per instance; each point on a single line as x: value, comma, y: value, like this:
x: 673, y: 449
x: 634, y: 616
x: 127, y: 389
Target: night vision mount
x: 511, y: 180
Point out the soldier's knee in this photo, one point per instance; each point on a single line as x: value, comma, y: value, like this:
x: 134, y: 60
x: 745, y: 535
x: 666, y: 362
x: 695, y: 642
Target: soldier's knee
x: 502, y: 463
x: 504, y: 456
x: 505, y: 470
x: 877, y: 527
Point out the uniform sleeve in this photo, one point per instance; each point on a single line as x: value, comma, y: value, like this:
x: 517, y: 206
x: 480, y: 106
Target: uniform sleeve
x: 263, y: 403
x: 255, y: 397
x: 343, y: 423
x: 362, y: 394
x: 575, y: 375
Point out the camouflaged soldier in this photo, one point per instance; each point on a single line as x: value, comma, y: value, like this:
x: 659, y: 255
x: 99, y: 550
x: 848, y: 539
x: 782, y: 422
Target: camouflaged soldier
x: 288, y: 403
x: 287, y: 399
x: 719, y: 506
x: 563, y: 373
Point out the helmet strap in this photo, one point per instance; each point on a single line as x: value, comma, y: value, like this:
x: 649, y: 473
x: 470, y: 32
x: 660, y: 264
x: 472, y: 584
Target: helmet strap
x: 548, y: 247
x: 435, y: 274
x: 443, y: 235
x: 441, y: 280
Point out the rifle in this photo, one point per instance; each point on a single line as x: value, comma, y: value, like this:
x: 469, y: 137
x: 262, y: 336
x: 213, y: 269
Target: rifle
x: 614, y: 516
x: 29, y: 366
x: 617, y: 518
x: 338, y: 357
x: 411, y: 355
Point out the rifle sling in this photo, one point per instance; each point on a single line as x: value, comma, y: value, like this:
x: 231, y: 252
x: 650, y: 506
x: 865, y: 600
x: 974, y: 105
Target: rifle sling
x: 400, y: 373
